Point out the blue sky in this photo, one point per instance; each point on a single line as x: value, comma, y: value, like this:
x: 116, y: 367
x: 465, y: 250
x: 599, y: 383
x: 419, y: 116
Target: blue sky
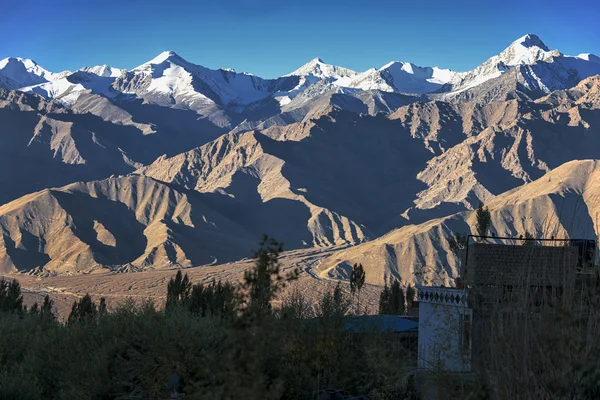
x: 273, y: 37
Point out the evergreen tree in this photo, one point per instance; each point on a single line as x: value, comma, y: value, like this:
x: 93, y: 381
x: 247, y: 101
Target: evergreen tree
x: 397, y: 303
x: 178, y: 291
x: 102, y: 307
x: 11, y: 299
x: 411, y: 295
x: 334, y: 304
x: 483, y: 222
x: 218, y: 299
x: 357, y: 280
x: 46, y: 309
x: 384, y: 300
x: 264, y: 280
x: 34, y: 310
x: 391, y: 299
x: 83, y: 310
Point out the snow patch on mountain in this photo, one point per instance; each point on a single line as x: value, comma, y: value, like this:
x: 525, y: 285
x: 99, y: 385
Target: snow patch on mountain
x: 403, y: 77
x: 314, y: 72
x: 19, y: 72
x: 67, y: 89
x: 539, y: 67
x: 172, y: 75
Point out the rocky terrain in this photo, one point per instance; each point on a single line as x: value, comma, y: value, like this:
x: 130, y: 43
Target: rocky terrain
x: 171, y: 164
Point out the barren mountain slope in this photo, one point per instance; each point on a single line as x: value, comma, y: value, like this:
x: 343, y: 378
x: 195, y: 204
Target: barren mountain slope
x: 425, y: 160
x: 484, y: 151
x: 352, y: 172
x: 125, y: 223
x: 45, y: 144
x: 563, y: 203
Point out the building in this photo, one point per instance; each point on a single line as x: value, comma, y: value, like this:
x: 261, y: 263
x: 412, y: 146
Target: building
x: 444, y: 329
x: 455, y: 324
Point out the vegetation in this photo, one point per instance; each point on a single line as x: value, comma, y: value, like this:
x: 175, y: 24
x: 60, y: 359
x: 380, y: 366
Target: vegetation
x: 483, y: 223
x: 527, y: 240
x: 357, y: 281
x: 392, y: 300
x: 211, y: 341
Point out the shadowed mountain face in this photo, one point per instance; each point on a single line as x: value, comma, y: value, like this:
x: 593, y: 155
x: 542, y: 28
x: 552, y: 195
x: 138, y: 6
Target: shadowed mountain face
x: 128, y: 222
x: 341, y: 178
x: 562, y: 203
x: 43, y: 144
x: 180, y: 165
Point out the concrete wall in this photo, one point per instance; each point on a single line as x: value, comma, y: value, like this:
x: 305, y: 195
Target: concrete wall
x: 442, y: 330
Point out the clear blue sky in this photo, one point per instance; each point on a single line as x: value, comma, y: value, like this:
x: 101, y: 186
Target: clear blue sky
x: 273, y: 37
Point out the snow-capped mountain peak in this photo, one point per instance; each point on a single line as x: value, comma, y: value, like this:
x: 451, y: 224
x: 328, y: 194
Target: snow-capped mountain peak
x: 165, y: 56
x: 318, y: 68
x: 589, y: 57
x: 104, y: 71
x: 531, y: 40
x: 526, y: 50
x: 19, y: 72
x: 405, y: 77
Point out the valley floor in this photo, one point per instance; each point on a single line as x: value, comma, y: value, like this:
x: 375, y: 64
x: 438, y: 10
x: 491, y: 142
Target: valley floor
x: 152, y: 285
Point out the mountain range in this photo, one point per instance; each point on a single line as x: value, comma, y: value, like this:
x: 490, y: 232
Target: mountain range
x: 173, y: 164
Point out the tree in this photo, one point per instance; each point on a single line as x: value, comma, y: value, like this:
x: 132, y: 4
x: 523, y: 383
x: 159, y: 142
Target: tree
x: 11, y: 299
x: 397, y: 300
x: 264, y: 280
x: 46, y: 309
x: 458, y: 242
x: 384, y: 300
x: 296, y: 306
x: 334, y: 304
x: 483, y: 222
x: 218, y: 299
x: 357, y: 280
x: 411, y: 295
x: 83, y: 310
x: 178, y: 291
x: 527, y: 240
x: 34, y: 309
x: 391, y: 300
x: 102, y: 307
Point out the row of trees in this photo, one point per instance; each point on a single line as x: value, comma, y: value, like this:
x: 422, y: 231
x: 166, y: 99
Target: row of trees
x: 210, y: 341
x: 11, y: 300
x: 393, y: 300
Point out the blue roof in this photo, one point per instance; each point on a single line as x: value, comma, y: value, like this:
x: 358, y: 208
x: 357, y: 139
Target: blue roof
x: 383, y: 323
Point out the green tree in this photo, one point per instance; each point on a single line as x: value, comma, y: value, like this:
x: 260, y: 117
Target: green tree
x: 102, y: 307
x: 46, y: 309
x: 217, y: 299
x: 35, y: 309
x: 11, y: 299
x: 483, y: 222
x: 264, y: 280
x: 83, y: 310
x: 334, y: 304
x: 411, y: 295
x: 397, y: 300
x: 357, y: 281
x: 392, y: 300
x: 178, y: 291
x: 384, y: 300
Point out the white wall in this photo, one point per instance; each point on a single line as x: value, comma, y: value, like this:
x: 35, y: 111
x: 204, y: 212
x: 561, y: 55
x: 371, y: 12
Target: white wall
x: 442, y: 332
